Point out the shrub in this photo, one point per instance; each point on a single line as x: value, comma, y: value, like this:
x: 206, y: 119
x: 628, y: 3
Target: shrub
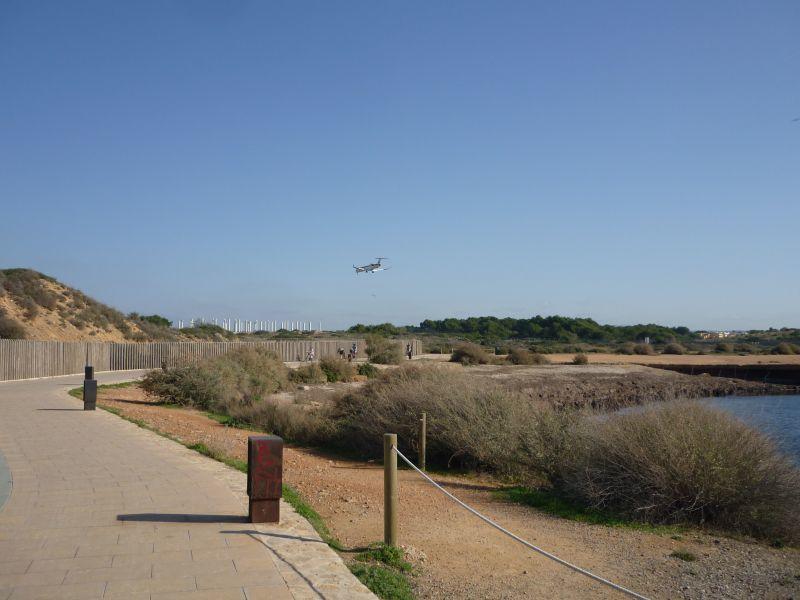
x: 383, y: 351
x: 301, y: 423
x: 673, y: 348
x: 336, y: 369
x: 240, y: 377
x: 784, y: 348
x: 684, y: 462
x: 580, y: 359
x: 368, y: 370
x: 311, y: 373
x: 520, y: 356
x: 643, y: 349
x: 627, y: 348
x: 11, y: 329
x: 471, y: 420
x: 469, y: 354
x: 723, y: 347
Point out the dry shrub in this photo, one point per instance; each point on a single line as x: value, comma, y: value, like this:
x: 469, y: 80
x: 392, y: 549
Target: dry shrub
x: 580, y: 359
x: 785, y: 348
x: 11, y: 329
x: 673, y: 348
x: 643, y: 349
x: 337, y: 369
x: 300, y: 422
x: 723, y: 347
x: 471, y: 421
x: 469, y: 354
x: 311, y: 373
x: 520, y: 356
x: 627, y: 348
x: 684, y: 462
x: 383, y: 351
x: 240, y: 377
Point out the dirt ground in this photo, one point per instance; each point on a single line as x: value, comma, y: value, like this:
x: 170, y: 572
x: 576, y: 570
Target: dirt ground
x: 459, y: 556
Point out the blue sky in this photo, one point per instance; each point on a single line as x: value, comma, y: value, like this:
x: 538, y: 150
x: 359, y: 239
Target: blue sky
x: 627, y: 161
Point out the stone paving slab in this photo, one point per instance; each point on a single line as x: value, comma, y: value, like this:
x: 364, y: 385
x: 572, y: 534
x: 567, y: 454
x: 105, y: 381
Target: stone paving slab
x: 101, y: 508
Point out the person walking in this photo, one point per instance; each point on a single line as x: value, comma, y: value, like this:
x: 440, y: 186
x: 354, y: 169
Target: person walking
x: 409, y: 350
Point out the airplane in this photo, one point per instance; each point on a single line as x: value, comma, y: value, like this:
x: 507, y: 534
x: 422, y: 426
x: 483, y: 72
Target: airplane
x: 372, y: 267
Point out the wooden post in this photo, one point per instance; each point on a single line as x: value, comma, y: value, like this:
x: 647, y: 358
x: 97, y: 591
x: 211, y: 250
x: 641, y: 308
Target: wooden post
x: 423, y: 433
x: 389, y: 489
x: 264, y: 477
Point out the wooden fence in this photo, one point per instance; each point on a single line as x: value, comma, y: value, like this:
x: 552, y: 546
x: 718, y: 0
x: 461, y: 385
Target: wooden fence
x: 26, y: 359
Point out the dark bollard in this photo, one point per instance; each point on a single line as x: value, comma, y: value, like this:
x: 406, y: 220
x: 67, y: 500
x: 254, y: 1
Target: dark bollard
x: 264, y: 477
x: 89, y: 394
x: 88, y: 372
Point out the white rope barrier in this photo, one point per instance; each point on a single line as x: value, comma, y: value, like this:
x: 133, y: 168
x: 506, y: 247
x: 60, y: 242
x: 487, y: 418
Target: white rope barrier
x: 486, y: 519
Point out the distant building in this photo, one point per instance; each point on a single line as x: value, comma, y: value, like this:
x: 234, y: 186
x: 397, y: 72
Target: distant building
x: 715, y: 335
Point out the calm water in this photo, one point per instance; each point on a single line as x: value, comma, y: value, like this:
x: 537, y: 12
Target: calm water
x: 779, y: 416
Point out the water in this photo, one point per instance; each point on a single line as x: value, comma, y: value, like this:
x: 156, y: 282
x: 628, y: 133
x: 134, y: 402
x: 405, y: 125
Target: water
x: 778, y: 416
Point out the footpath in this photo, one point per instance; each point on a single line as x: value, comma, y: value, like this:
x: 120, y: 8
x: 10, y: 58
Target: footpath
x: 100, y: 508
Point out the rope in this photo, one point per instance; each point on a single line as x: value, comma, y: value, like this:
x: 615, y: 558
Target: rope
x: 519, y: 539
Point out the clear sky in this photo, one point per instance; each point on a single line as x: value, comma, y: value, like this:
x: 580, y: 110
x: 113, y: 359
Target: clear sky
x: 628, y: 161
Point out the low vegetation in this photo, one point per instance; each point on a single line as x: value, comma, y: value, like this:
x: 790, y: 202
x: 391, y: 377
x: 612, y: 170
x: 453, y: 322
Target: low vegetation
x: 241, y: 377
x: 520, y: 356
x: 383, y: 351
x: 337, y: 369
x: 677, y: 462
x: 10, y: 329
x: 469, y: 354
x: 580, y: 359
x: 673, y: 348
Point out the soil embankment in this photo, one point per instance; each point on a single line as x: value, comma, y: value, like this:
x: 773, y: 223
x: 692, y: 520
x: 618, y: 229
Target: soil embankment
x: 616, y: 386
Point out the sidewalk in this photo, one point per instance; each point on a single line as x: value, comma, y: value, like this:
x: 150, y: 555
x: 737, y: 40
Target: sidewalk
x: 100, y: 508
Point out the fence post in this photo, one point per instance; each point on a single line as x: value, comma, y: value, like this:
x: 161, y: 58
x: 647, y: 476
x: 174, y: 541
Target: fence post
x: 389, y: 489
x: 422, y: 442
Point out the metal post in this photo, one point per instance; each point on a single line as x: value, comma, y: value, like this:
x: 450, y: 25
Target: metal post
x: 389, y: 489
x: 423, y: 433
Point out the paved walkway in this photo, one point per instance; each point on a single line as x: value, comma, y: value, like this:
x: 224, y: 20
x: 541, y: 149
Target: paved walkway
x: 101, y: 508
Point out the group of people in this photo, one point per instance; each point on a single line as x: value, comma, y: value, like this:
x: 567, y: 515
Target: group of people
x: 311, y: 355
x: 351, y: 355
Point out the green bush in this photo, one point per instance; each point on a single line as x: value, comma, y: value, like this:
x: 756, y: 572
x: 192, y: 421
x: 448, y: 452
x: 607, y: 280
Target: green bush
x: 469, y: 354
x: 311, y: 373
x: 368, y: 370
x: 643, y: 349
x: 383, y: 351
x: 673, y: 348
x: 520, y: 356
x: 240, y: 377
x: 580, y: 359
x: 337, y: 369
x: 684, y: 462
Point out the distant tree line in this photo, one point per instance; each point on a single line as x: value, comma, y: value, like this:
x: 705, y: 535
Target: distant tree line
x: 553, y: 328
